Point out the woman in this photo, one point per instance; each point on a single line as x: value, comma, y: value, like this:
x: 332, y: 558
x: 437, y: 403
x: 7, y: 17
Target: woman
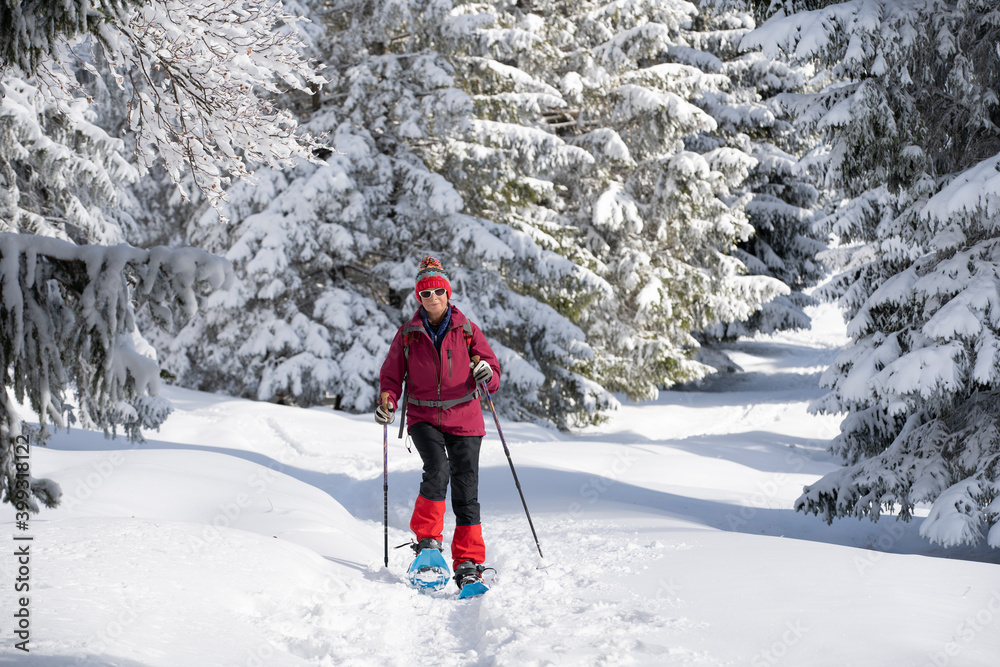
x: 434, y: 352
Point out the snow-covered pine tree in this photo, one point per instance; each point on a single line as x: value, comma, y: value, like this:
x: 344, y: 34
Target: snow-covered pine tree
x: 327, y: 255
x: 67, y: 327
x: 751, y: 114
x: 67, y: 322
x: 912, y: 117
x: 58, y: 170
x: 36, y: 33
x: 654, y: 221
x: 512, y: 168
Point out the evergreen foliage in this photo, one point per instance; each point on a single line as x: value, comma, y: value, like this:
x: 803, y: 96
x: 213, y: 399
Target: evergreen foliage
x: 59, y: 172
x: 555, y: 157
x: 589, y: 107
x: 67, y: 325
x: 911, y: 113
x: 783, y: 202
x: 327, y: 255
x: 191, y: 71
x: 35, y: 32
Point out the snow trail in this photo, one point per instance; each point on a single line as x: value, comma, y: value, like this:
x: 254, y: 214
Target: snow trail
x: 251, y: 534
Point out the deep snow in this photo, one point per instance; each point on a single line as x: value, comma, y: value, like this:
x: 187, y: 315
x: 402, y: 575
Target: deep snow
x: 251, y: 534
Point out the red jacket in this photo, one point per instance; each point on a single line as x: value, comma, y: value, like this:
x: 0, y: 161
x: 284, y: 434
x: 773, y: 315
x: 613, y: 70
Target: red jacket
x: 439, y: 378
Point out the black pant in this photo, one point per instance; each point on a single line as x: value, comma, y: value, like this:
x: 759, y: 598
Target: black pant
x: 454, y: 457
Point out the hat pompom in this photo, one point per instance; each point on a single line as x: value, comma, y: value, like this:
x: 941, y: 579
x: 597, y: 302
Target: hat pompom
x: 430, y: 263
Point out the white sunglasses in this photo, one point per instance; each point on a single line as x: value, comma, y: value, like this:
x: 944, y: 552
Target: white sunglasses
x: 426, y: 293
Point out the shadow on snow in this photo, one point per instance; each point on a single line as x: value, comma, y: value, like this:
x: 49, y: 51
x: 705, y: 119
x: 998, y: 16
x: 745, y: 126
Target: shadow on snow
x: 559, y: 497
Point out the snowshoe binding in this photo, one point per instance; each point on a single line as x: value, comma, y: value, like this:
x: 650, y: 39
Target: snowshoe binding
x: 429, y: 570
x: 469, y: 578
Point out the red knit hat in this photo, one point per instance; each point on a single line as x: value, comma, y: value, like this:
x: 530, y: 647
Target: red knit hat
x: 431, y: 275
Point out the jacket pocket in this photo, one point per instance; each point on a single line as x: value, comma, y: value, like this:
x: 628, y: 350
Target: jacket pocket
x: 449, y: 364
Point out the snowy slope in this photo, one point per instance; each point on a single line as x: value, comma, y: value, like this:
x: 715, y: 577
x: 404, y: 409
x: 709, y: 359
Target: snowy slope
x: 250, y: 534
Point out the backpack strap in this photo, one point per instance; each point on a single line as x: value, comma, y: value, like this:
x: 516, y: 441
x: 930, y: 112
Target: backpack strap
x: 467, y: 332
x: 407, y: 337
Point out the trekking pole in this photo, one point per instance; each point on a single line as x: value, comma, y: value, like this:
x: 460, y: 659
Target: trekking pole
x: 385, y: 489
x: 496, y: 420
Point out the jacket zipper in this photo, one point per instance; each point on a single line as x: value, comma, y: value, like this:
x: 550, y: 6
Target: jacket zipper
x: 441, y: 373
x: 440, y: 370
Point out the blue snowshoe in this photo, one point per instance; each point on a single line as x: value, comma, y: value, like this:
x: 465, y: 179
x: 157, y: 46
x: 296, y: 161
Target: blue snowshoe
x: 429, y: 570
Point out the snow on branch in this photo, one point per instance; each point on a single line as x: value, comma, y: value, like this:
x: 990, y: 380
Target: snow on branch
x: 33, y: 31
x: 196, y: 67
x: 67, y: 324
x: 202, y: 75
x: 974, y: 192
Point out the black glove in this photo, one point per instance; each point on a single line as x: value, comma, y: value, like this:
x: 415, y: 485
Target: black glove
x: 481, y: 372
x: 384, y: 415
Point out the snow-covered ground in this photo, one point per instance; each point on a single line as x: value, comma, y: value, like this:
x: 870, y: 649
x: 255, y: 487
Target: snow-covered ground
x: 251, y: 534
